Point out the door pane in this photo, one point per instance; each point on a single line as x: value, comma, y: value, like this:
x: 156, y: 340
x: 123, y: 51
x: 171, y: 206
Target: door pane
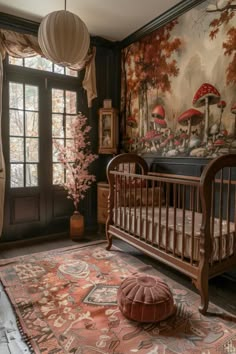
x: 31, y: 175
x: 32, y: 149
x: 15, y: 95
x: 57, y: 101
x: 69, y: 121
x: 57, y: 126
x: 31, y: 124
x: 31, y: 98
x: 55, y: 149
x: 16, y: 122
x: 71, y: 102
x: 17, y: 175
x: 24, y: 131
x: 58, y: 173
x: 16, y: 150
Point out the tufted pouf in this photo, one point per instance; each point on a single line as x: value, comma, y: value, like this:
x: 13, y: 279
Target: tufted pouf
x: 145, y: 298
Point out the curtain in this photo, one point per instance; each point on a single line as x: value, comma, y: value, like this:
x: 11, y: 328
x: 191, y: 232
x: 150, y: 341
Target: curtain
x: 23, y: 46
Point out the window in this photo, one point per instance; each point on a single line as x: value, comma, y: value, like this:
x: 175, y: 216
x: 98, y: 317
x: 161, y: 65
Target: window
x: 24, y: 134
x: 64, y: 105
x: 39, y: 63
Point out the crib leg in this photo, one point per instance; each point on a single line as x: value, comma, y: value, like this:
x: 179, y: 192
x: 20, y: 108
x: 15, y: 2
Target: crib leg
x: 109, y: 239
x: 202, y: 286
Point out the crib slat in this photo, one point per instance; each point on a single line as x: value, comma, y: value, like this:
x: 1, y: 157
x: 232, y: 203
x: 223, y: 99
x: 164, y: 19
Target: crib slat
x: 115, y: 199
x: 146, y: 207
x: 193, y: 223
x: 141, y: 211
x: 228, y: 214
x: 198, y: 200
x: 183, y: 222
x: 175, y: 233
x: 212, y: 217
x: 159, y: 219
x: 135, y: 205
x: 179, y: 195
x: 129, y: 184
x: 220, y: 215
x: 167, y: 215
x: 125, y: 214
x: 153, y: 189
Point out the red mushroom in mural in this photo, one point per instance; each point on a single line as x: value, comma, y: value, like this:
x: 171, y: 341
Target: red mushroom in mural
x: 218, y: 144
x: 151, y: 136
x: 161, y: 123
x: 190, y: 118
x: 233, y: 110
x: 131, y: 122
x: 221, y: 105
x: 183, y: 137
x: 158, y: 114
x: 206, y: 95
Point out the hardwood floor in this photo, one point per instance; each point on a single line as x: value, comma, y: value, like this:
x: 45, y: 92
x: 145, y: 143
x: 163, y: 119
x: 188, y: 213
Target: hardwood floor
x: 222, y: 289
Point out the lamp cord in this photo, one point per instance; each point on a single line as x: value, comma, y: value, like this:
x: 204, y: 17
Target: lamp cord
x: 65, y: 5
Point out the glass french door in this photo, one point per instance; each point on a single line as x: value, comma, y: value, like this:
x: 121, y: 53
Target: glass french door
x: 35, y: 112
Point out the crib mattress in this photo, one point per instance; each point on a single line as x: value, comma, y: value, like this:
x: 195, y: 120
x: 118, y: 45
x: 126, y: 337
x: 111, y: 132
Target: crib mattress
x: 150, y: 231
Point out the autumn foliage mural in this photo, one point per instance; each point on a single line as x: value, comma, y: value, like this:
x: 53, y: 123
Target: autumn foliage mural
x: 179, y: 85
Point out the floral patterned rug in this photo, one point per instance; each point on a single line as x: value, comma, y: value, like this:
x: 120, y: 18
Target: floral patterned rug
x: 65, y: 300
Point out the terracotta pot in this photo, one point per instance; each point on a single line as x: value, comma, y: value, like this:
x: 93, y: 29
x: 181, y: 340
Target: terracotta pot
x: 76, y: 226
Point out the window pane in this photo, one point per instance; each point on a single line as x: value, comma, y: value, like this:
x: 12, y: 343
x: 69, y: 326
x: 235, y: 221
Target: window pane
x: 31, y: 175
x: 16, y: 150
x: 17, y: 175
x: 15, y: 61
x: 15, y: 95
x: 71, y: 102
x: 55, y: 150
x: 16, y: 122
x: 39, y: 63
x: 59, y: 69
x: 58, y: 173
x: 57, y: 101
x: 31, y: 124
x: 71, y: 72
x: 57, y: 126
x: 32, y: 154
x: 69, y: 120
x: 31, y: 98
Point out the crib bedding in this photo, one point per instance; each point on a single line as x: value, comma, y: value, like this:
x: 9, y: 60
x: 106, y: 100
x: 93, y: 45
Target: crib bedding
x: 134, y: 222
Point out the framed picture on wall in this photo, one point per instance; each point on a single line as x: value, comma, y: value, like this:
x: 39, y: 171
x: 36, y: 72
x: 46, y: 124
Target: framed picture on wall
x: 108, y: 131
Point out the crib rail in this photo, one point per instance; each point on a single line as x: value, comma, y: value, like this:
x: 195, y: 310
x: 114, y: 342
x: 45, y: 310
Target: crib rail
x: 160, y: 211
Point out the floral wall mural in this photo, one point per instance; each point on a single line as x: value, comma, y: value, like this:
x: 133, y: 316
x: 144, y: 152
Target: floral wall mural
x: 179, y: 85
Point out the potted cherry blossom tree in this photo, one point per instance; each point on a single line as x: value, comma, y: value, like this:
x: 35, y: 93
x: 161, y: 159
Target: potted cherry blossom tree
x: 76, y: 158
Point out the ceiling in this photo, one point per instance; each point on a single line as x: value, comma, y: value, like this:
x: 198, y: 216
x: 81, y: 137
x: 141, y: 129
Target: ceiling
x: 110, y: 19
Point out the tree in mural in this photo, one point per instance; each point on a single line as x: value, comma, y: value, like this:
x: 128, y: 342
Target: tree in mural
x: 149, y: 65
x: 227, y: 13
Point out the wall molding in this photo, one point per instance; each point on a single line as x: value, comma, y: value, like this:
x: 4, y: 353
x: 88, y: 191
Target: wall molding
x: 163, y: 19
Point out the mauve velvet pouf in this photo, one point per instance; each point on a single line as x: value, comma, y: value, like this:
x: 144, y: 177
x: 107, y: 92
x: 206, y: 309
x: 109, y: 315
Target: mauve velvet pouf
x: 145, y: 298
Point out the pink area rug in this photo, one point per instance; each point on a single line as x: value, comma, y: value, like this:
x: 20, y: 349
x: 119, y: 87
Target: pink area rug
x: 65, y: 301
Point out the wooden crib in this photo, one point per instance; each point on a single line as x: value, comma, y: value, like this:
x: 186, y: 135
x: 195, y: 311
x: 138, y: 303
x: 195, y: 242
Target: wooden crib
x: 186, y: 222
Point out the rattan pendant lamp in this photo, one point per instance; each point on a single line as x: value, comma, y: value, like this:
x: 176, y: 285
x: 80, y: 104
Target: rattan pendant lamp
x: 63, y: 38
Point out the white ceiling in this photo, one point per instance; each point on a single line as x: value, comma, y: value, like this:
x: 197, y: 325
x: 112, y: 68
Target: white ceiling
x: 110, y: 19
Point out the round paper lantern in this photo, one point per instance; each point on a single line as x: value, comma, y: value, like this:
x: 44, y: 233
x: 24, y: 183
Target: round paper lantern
x: 63, y: 38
